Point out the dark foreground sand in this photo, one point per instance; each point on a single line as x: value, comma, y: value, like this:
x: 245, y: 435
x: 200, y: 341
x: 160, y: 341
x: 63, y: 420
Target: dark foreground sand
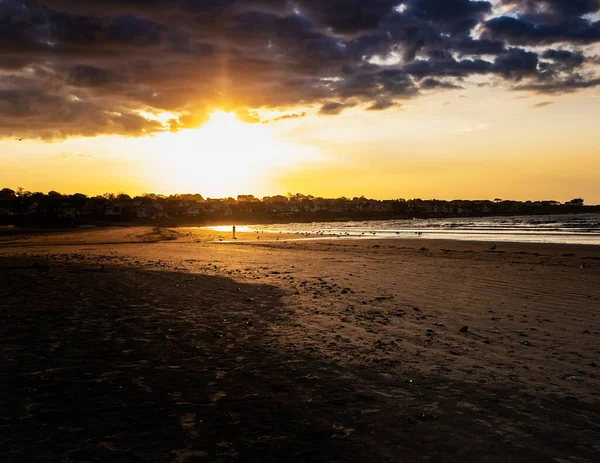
x: 162, y: 345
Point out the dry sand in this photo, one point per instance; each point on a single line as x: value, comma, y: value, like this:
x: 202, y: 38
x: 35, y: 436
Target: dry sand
x: 141, y: 344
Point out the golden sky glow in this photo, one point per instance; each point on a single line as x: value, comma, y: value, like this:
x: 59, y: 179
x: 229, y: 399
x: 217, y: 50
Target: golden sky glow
x: 479, y: 143
x: 224, y: 157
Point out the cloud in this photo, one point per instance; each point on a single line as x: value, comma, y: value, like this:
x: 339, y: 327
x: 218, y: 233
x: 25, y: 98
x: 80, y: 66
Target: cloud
x: 34, y: 110
x: 333, y: 108
x: 89, y: 76
x: 74, y: 68
x: 348, y: 16
x: 563, y: 8
x: 382, y: 105
x: 286, y: 117
x: 542, y: 104
x: 247, y: 116
x: 543, y: 22
x: 517, y: 64
x: 431, y: 84
x: 569, y: 85
x: 452, y: 16
x: 469, y: 46
x: 519, y: 31
x: 65, y: 155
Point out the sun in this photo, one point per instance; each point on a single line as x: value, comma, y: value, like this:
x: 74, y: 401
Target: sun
x: 225, y: 157
x: 223, y: 119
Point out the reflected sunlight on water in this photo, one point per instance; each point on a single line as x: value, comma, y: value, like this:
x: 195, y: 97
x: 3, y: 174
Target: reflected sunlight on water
x: 228, y: 228
x: 564, y: 229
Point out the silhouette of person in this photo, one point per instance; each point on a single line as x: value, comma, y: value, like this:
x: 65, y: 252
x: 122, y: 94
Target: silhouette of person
x: 234, y: 233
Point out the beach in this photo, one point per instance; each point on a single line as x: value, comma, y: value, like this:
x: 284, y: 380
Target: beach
x: 184, y: 345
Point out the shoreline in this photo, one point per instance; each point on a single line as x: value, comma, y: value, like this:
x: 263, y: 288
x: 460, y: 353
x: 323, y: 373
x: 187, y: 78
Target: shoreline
x: 503, y: 233
x: 153, y: 235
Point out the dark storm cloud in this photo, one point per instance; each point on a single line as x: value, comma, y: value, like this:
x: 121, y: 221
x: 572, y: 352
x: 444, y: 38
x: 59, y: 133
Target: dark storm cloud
x: 72, y: 67
x: 451, y: 16
x: 555, y: 7
x: 542, y: 22
x: 469, y: 46
x: 517, y: 64
x: 348, y: 16
x: 89, y: 76
x: 37, y: 104
x: 433, y: 84
x: 449, y: 68
x: 569, y: 58
x: 369, y: 84
x: 527, y: 32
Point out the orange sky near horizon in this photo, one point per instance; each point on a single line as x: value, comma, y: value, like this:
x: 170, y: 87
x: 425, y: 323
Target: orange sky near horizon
x: 476, y: 143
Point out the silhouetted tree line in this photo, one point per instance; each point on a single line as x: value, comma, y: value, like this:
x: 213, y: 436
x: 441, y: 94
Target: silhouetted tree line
x: 54, y: 209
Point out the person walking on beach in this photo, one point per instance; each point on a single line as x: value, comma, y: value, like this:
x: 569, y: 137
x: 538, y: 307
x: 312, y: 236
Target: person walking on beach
x: 233, y: 230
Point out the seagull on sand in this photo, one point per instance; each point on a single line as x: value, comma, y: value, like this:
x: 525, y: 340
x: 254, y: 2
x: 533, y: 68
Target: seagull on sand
x: 582, y: 266
x: 493, y: 248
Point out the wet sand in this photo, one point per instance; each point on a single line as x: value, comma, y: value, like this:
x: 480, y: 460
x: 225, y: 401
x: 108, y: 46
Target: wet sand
x: 143, y: 344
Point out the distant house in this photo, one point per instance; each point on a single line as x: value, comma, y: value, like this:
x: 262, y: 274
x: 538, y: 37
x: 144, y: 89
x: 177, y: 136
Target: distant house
x: 320, y: 204
x: 138, y: 210
x: 575, y: 202
x: 113, y: 212
x: 277, y: 207
x: 156, y: 211
x: 93, y: 209
x: 194, y: 211
x: 338, y: 205
x: 176, y: 207
x: 372, y: 205
x: 276, y: 204
x: 387, y: 206
x: 212, y: 206
x: 55, y: 211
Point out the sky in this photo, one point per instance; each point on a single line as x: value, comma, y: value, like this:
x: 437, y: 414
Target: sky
x: 447, y: 99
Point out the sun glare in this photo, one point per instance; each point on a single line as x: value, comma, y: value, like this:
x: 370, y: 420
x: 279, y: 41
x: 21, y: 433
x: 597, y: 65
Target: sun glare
x: 225, y: 156
x: 223, y: 119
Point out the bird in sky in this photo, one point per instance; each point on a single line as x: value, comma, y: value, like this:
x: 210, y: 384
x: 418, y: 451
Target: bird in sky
x: 19, y: 139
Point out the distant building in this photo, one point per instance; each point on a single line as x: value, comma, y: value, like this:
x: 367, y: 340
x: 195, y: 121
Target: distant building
x: 194, y: 211
x: 138, y: 210
x: 575, y: 202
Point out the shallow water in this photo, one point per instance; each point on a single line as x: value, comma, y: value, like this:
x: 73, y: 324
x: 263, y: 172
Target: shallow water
x: 564, y: 229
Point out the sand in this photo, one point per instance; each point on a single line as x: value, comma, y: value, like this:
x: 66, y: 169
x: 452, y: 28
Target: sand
x: 142, y: 344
